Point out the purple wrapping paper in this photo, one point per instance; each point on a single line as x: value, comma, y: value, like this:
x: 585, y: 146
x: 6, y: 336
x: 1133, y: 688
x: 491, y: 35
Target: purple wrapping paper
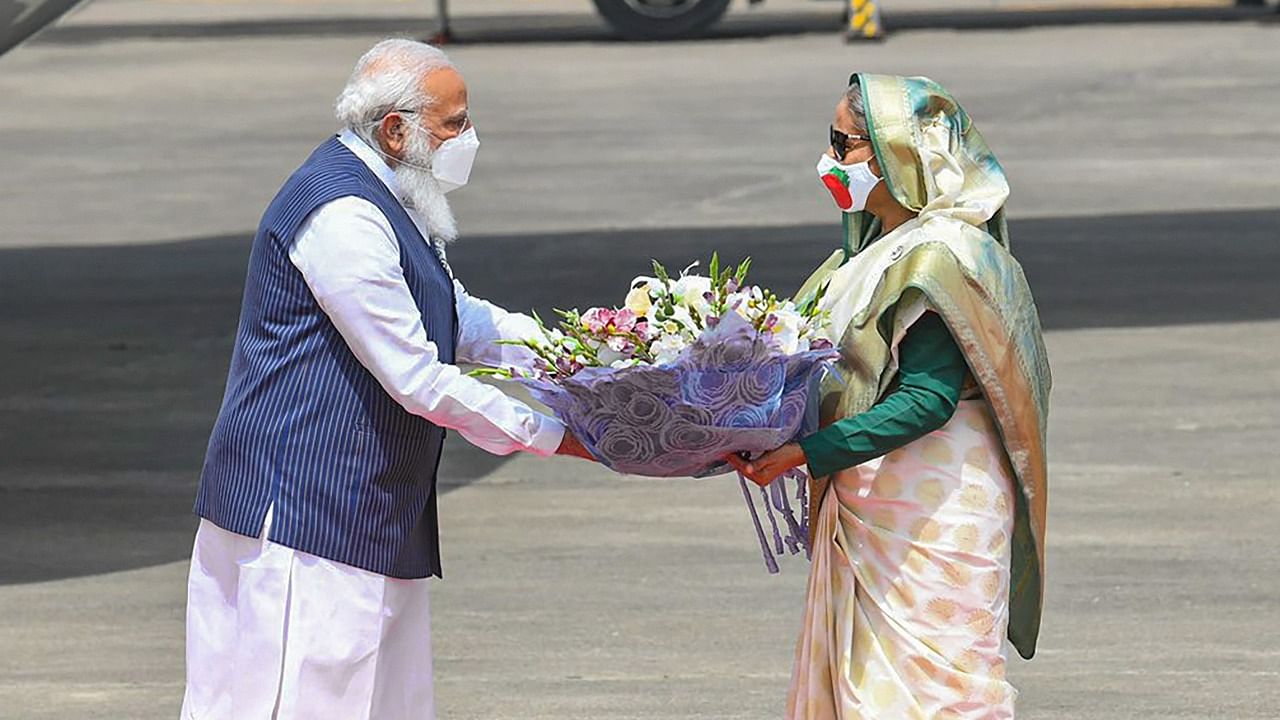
x: 731, y: 391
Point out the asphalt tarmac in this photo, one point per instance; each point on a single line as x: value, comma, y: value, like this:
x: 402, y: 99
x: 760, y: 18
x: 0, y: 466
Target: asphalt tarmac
x: 1144, y: 171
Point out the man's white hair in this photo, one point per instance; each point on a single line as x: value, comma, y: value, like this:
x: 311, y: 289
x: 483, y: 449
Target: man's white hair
x: 390, y: 77
x: 387, y: 77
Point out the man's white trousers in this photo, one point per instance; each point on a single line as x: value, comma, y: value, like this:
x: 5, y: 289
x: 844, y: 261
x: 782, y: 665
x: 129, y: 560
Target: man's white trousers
x: 278, y: 634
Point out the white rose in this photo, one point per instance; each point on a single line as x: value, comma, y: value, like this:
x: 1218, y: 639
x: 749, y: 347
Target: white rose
x: 667, y: 348
x: 639, y: 302
x: 682, y: 320
x: 738, y: 301
x: 786, y: 332
x: 690, y: 290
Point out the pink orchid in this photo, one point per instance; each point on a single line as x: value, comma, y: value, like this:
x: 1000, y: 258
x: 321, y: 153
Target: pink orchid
x: 597, y: 319
x: 624, y: 320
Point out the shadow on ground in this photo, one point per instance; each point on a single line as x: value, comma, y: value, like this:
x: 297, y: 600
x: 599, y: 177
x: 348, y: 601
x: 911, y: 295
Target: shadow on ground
x: 114, y: 357
x: 565, y: 28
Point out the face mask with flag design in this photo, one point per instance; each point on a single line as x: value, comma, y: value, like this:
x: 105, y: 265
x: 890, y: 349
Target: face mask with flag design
x: 849, y: 184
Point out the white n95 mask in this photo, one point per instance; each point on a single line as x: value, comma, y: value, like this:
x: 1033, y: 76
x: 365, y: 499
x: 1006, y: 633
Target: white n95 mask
x: 452, y: 160
x: 850, y: 185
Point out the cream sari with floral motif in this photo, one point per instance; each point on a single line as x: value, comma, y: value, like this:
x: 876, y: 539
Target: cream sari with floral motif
x: 924, y: 559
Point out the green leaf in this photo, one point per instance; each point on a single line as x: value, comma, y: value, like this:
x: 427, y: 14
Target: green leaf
x: 541, y: 325
x: 660, y: 272
x: 808, y: 307
x: 492, y: 372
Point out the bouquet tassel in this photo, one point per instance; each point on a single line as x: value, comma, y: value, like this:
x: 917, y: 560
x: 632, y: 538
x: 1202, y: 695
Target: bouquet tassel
x: 776, y: 498
x: 765, y: 495
x: 797, y: 533
x: 769, y: 560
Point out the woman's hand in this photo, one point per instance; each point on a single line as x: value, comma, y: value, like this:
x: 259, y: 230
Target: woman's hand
x: 769, y: 466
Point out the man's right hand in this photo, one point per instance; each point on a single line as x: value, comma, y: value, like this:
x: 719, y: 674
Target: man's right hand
x: 572, y: 447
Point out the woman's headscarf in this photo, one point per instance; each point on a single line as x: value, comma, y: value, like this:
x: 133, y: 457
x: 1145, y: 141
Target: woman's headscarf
x: 952, y: 259
x: 934, y: 160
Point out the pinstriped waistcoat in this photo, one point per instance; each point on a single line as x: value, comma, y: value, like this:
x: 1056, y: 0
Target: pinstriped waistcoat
x: 304, y: 426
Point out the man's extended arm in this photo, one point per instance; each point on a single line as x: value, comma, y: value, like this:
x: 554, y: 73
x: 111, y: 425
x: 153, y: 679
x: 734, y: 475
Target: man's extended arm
x: 349, y: 257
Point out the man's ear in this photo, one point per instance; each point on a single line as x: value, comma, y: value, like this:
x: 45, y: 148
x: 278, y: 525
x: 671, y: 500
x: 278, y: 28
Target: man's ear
x: 391, y: 133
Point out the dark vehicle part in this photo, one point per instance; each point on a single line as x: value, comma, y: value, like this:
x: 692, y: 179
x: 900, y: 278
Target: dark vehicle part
x: 20, y: 19
x: 661, y: 19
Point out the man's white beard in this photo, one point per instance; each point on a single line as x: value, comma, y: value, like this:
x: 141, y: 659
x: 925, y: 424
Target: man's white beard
x: 421, y: 189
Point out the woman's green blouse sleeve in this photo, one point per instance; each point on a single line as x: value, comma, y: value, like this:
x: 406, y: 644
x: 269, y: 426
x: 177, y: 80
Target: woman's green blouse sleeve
x: 931, y: 373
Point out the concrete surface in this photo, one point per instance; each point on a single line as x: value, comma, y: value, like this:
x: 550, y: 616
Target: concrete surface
x: 1143, y: 165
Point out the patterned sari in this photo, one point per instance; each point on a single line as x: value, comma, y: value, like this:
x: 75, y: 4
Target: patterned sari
x: 926, y: 558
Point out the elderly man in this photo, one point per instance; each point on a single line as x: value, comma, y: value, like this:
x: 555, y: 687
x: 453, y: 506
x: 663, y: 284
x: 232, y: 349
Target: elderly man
x: 307, y: 596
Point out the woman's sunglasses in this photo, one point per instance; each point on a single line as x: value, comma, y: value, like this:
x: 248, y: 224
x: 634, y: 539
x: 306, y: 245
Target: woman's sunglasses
x: 840, y: 141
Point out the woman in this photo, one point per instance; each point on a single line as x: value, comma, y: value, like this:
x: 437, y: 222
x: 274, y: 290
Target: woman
x: 928, y: 499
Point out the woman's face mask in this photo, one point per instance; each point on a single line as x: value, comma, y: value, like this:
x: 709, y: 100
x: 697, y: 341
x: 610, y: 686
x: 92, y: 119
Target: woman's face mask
x: 850, y: 185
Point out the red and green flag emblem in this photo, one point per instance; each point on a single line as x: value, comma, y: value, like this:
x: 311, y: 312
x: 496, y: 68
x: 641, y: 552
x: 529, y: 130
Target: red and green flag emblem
x: 838, y: 183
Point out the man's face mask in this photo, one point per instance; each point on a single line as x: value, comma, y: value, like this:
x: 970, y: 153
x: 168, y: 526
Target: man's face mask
x: 850, y: 185
x: 452, y: 160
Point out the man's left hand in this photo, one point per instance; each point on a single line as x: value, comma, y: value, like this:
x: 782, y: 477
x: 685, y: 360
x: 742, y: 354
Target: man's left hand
x: 573, y: 447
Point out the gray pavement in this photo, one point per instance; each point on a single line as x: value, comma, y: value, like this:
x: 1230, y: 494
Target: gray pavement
x: 1144, y: 174
x: 558, y: 21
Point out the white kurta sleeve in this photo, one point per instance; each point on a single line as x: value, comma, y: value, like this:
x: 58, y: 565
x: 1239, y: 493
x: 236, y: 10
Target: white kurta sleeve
x: 482, y: 324
x: 349, y: 257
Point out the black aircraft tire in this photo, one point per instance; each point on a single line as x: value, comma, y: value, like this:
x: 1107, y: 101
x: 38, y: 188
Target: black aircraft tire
x: 634, y: 24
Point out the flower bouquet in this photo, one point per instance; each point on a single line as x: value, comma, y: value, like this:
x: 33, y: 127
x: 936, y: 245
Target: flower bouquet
x: 690, y: 369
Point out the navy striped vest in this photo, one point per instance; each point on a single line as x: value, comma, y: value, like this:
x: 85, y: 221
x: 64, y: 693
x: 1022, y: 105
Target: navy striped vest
x: 304, y: 426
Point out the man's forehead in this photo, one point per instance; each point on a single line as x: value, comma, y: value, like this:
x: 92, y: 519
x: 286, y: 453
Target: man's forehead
x: 446, y: 86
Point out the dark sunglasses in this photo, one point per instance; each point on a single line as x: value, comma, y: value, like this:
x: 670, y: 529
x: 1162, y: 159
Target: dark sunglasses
x: 840, y: 141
